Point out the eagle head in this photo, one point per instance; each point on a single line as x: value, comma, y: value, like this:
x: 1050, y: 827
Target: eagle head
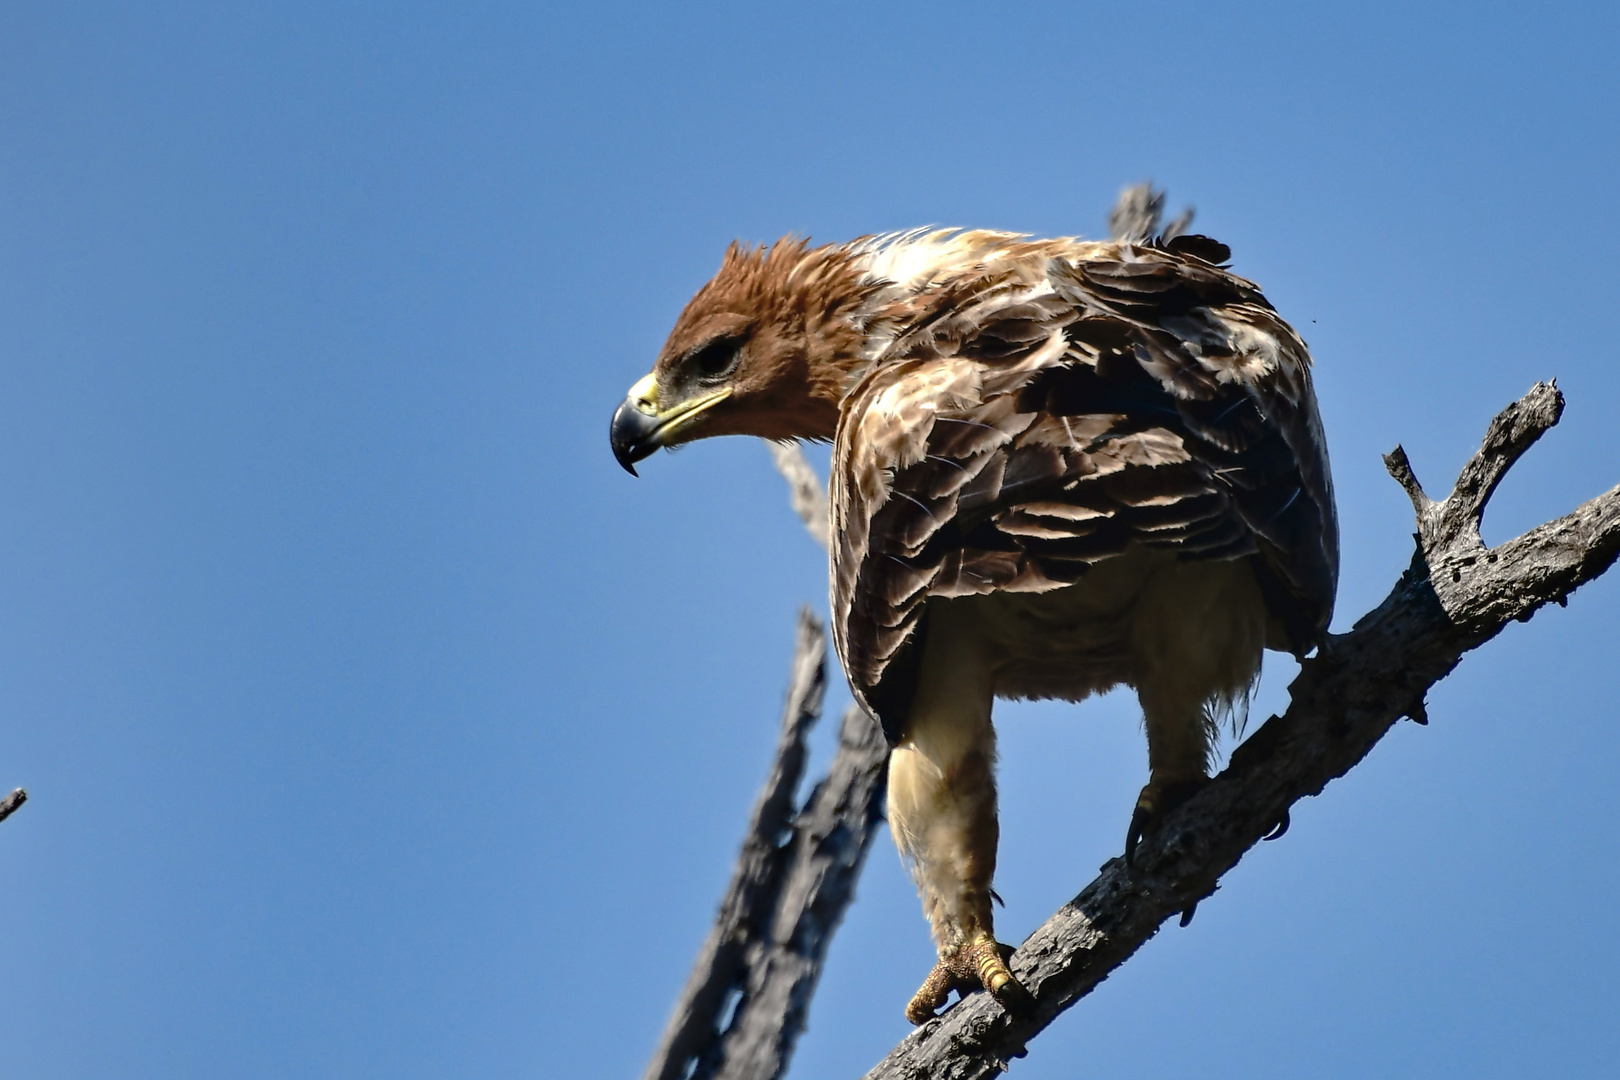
x: 765, y: 348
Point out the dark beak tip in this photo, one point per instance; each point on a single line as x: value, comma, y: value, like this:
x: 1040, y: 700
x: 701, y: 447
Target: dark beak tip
x: 633, y: 435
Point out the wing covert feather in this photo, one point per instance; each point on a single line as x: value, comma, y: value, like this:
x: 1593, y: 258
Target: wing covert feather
x: 1021, y: 434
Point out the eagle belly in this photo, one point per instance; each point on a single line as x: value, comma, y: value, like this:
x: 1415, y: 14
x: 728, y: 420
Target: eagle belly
x: 1186, y: 632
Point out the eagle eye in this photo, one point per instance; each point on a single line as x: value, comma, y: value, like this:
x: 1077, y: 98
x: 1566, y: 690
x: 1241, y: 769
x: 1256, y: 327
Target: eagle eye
x: 716, y: 359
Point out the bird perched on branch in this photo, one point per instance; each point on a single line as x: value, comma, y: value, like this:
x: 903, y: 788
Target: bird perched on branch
x: 1058, y: 466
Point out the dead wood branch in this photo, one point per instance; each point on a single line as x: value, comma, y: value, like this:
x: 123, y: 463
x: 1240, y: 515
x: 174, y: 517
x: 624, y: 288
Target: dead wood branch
x: 1137, y: 212
x: 747, y: 999
x: 831, y: 838
x: 1456, y: 595
x: 9, y: 804
x: 808, y: 497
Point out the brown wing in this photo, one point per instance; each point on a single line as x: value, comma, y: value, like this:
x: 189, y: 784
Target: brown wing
x: 1021, y: 434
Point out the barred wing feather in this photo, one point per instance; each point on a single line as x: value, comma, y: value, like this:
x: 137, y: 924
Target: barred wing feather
x: 1022, y: 433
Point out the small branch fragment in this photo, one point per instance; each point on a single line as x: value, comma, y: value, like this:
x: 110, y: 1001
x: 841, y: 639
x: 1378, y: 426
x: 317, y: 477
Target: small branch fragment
x: 1137, y: 212
x: 808, y: 496
x: 1179, y: 224
x: 9, y: 804
x: 1514, y: 430
x: 1401, y: 469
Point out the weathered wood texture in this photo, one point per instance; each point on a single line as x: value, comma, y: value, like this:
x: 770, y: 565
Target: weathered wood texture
x: 746, y: 1001
x: 1137, y: 213
x: 1456, y: 595
x: 9, y: 804
x: 831, y: 838
x: 806, y: 493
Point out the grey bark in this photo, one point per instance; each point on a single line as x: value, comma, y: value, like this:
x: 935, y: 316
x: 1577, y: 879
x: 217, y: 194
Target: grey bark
x: 805, y: 491
x: 1456, y: 595
x: 831, y: 838
x: 746, y: 1001
x: 9, y: 804
x: 1137, y: 212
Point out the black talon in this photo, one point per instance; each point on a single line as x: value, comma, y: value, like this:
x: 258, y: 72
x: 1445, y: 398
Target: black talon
x: 1138, y: 829
x: 1017, y: 1000
x: 1186, y: 916
x: 1278, y: 829
x: 1153, y: 806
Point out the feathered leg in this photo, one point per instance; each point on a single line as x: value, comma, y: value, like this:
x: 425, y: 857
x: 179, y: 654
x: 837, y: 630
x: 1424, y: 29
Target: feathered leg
x: 1179, y: 741
x: 1197, y: 638
x: 942, y: 811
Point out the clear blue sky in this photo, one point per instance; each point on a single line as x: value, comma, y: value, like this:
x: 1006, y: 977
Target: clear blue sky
x: 377, y: 725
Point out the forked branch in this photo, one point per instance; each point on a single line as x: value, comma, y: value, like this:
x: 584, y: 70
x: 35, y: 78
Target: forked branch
x: 1456, y: 595
x: 748, y: 997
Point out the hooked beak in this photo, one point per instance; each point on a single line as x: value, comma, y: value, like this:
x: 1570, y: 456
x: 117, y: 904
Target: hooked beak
x: 640, y: 427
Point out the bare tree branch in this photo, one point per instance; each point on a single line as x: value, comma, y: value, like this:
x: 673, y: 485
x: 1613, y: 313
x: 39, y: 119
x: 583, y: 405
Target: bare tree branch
x: 1455, y: 596
x: 747, y: 999
x: 721, y: 964
x: 831, y: 838
x: 1137, y: 212
x: 808, y: 497
x: 9, y: 804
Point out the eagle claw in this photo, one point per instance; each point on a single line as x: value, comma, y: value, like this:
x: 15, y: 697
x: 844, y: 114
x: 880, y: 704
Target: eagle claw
x: 978, y: 963
x: 1158, y: 798
x: 1278, y: 829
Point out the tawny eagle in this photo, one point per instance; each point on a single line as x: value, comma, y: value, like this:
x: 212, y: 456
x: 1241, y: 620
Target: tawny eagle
x: 1058, y: 466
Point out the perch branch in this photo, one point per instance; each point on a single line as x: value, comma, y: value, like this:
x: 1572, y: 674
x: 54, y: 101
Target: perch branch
x: 1455, y: 596
x: 746, y: 1002
x: 9, y: 804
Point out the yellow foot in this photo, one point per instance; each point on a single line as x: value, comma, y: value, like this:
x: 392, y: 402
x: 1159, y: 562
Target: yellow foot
x: 979, y: 962
x: 1158, y: 798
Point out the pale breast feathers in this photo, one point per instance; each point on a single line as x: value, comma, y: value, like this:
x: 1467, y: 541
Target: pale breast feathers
x: 1027, y: 427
